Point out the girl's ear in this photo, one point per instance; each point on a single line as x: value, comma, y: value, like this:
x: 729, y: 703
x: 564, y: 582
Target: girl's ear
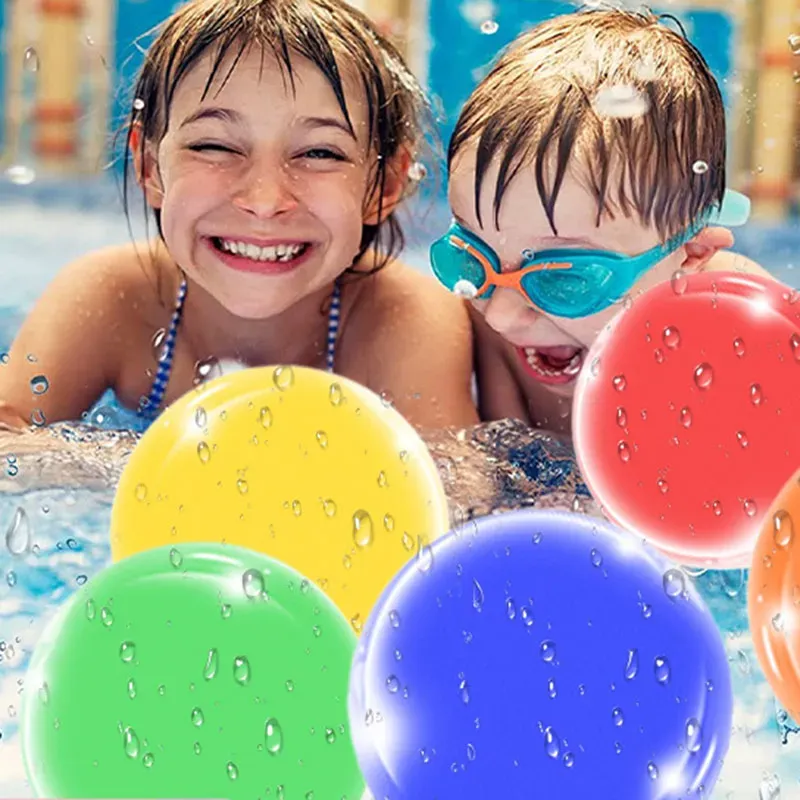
x: 145, y: 165
x: 395, y: 182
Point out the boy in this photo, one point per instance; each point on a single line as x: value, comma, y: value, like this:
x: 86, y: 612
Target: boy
x: 596, y: 143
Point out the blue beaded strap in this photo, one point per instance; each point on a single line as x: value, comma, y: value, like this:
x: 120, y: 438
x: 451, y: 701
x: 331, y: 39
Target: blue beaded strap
x: 148, y: 406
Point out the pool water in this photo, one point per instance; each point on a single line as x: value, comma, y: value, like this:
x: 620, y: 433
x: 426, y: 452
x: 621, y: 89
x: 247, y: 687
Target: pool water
x: 41, y: 228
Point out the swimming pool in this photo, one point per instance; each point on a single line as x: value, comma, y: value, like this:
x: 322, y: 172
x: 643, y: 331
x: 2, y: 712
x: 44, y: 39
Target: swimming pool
x: 44, y: 225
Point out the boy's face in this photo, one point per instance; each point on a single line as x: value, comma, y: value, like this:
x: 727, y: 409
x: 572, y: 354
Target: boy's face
x: 551, y: 350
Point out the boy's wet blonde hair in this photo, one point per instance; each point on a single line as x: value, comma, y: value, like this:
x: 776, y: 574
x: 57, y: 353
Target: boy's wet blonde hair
x: 540, y: 106
x: 331, y: 34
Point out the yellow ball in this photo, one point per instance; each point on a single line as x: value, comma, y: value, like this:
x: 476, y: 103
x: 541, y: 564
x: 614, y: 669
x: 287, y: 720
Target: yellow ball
x: 311, y: 469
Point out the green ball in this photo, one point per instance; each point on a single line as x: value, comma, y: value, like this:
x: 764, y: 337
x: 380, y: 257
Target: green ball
x: 205, y: 672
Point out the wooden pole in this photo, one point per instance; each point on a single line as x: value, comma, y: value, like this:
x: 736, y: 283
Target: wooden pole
x: 57, y: 108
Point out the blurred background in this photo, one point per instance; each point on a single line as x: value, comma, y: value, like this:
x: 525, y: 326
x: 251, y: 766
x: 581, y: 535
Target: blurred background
x: 66, y: 70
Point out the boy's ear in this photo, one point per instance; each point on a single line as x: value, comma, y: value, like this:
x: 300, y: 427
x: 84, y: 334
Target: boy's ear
x: 395, y: 182
x: 145, y: 165
x: 704, y: 246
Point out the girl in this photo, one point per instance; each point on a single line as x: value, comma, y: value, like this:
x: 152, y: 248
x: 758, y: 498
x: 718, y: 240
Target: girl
x: 272, y: 140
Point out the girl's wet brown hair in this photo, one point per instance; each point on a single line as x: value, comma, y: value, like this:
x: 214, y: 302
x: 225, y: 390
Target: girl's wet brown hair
x: 537, y: 109
x: 331, y: 34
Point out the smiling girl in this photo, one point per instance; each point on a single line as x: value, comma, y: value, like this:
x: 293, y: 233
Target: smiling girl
x: 272, y: 141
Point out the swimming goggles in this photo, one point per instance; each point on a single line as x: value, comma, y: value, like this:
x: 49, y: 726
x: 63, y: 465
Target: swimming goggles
x: 565, y: 282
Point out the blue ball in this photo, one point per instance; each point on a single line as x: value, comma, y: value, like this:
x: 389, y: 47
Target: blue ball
x: 540, y: 654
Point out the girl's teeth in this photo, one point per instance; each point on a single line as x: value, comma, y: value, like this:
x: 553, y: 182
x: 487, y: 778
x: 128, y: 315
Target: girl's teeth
x: 280, y: 252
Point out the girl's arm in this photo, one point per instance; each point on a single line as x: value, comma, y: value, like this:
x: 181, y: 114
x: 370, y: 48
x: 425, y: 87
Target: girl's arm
x: 66, y: 353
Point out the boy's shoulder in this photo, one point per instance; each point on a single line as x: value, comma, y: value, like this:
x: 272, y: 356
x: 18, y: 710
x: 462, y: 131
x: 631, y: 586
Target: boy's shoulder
x: 728, y: 261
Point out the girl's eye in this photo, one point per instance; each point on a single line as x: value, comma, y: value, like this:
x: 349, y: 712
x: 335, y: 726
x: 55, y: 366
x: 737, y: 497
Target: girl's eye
x: 322, y: 153
x: 212, y: 146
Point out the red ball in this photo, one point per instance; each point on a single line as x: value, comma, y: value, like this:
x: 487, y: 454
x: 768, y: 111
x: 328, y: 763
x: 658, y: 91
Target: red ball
x: 686, y: 419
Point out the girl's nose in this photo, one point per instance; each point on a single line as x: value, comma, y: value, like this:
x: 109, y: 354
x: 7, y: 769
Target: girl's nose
x: 266, y: 193
x: 507, y: 310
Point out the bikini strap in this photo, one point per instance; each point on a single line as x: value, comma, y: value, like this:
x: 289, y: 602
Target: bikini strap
x: 148, y: 406
x: 333, y: 325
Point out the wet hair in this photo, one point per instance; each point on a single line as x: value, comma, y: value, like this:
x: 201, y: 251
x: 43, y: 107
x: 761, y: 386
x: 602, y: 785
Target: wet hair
x: 331, y: 34
x: 545, y: 105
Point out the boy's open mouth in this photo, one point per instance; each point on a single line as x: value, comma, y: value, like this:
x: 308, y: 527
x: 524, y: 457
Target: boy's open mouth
x: 248, y: 256
x: 553, y: 365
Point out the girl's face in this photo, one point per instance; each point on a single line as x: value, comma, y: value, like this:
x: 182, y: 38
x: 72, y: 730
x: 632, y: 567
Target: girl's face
x: 261, y: 190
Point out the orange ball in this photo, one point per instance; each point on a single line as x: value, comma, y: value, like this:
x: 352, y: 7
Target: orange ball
x: 773, y: 596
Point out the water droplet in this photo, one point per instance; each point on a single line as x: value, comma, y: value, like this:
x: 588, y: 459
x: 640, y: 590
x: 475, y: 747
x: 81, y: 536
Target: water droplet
x: 394, y: 619
x: 131, y: 689
x: 511, y: 609
x: 130, y: 743
x: 241, y: 670
x: 619, y: 383
x: 140, y: 492
x: 197, y: 717
x: 203, y: 452
x: 703, y: 376
x: 794, y: 44
x: 652, y: 771
x: 738, y: 347
x: 18, y: 535
x: 674, y: 583
x: 393, y: 684
x: 782, y: 528
x: 241, y: 485
x: 693, y: 735
x: 424, y: 555
x: 330, y: 735
x: 551, y: 689
x: 90, y: 609
x: 547, y: 650
x: 620, y: 102
x: 297, y: 508
x: 477, y: 595
x: 489, y: 27
x: 283, y: 377
x: 30, y: 60
x: 347, y: 561
x: 794, y: 345
x: 356, y: 623
x: 756, y: 395
x: 617, y: 717
x: 679, y: 282
x: 568, y: 760
x: 741, y: 437
x: 624, y: 452
x: 632, y: 665
x: 471, y: 752
x: 265, y: 417
x: 106, y: 617
x: 232, y: 770
x: 127, y: 651
x: 200, y: 417
x: 661, y: 670
x: 417, y: 171
x: 388, y: 523
x: 750, y: 508
x: 622, y: 417
x: 39, y: 384
x: 212, y: 662
x: 225, y: 610
x: 273, y: 736
x: 552, y: 744
x: 362, y: 528
x: 778, y: 623
x: 175, y: 557
x: 716, y: 507
x: 596, y: 557
x: 335, y: 394
x: 463, y: 687
x: 253, y: 583
x: 197, y: 748
x: 700, y: 167
x: 290, y: 685
x: 329, y: 507
x: 647, y: 610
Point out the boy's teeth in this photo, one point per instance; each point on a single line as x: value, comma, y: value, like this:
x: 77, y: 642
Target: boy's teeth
x: 279, y: 252
x: 572, y: 368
